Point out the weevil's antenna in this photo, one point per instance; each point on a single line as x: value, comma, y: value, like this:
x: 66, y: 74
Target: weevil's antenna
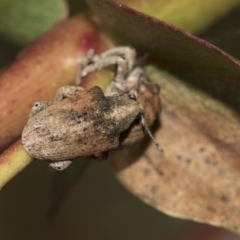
x: 159, y: 147
x: 140, y: 61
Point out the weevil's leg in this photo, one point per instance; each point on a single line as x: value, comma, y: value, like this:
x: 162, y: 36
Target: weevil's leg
x: 127, y: 53
x: 38, y: 107
x: 89, y: 57
x: 83, y: 64
x: 67, y: 91
x: 123, y: 57
x: 60, y: 165
x: 134, y: 79
x: 136, y: 75
x: 122, y: 68
x: 129, y: 85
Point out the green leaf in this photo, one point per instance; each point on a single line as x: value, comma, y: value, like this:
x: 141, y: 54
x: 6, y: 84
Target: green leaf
x: 183, y: 13
x: 27, y: 19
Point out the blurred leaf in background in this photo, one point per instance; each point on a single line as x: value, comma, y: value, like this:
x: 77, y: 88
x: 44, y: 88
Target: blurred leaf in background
x: 27, y: 19
x: 225, y: 34
x: 23, y: 21
x: 77, y: 6
x: 192, y: 16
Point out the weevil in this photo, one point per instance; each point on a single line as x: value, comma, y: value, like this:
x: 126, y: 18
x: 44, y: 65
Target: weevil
x: 91, y: 122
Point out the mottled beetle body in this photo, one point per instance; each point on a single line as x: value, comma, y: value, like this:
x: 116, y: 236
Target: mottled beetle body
x: 84, y: 124
x: 89, y: 122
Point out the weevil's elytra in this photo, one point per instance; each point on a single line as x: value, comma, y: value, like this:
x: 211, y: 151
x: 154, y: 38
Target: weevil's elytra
x: 89, y: 122
x: 69, y: 128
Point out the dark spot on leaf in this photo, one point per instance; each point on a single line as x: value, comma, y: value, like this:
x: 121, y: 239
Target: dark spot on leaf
x: 157, y: 168
x: 179, y: 157
x: 201, y: 149
x: 188, y: 160
x: 207, y: 161
x: 224, y: 198
x: 154, y: 189
x: 211, y: 209
x: 146, y: 171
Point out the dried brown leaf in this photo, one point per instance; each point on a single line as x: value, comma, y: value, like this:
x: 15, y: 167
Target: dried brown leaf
x: 197, y: 177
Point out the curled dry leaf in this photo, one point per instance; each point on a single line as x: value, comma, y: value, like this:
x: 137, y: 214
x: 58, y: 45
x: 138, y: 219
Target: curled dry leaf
x: 198, y: 175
